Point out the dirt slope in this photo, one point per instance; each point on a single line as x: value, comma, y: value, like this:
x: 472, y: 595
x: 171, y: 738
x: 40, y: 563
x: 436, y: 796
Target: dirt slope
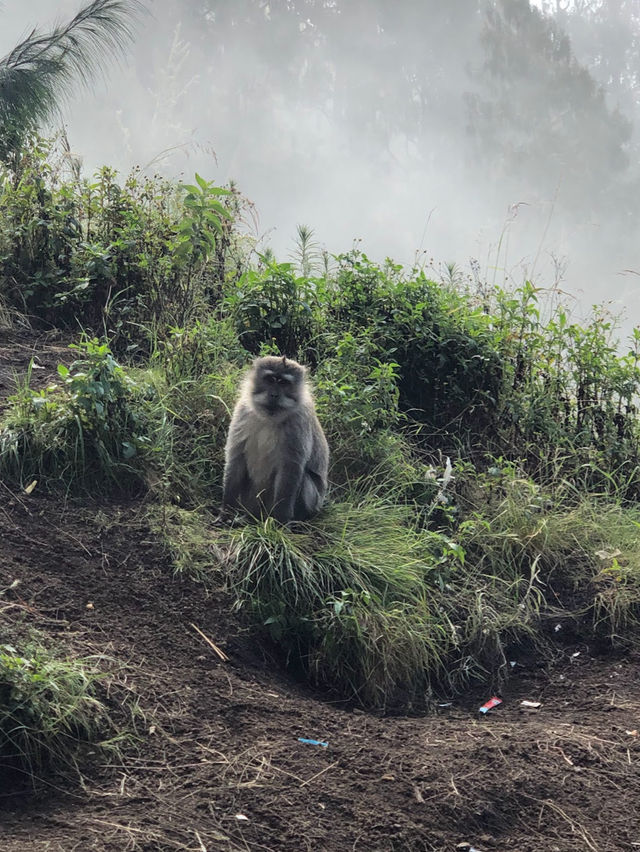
x: 220, y: 739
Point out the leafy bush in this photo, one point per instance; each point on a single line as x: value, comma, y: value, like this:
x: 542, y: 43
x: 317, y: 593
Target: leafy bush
x: 357, y: 400
x: 274, y: 307
x: 125, y: 259
x: 205, y: 347
x: 449, y: 369
x: 48, y: 709
x: 569, y: 405
x: 91, y: 429
x: 550, y: 558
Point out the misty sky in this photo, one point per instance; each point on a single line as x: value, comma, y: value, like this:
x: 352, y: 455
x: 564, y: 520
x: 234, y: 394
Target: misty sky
x: 172, y: 106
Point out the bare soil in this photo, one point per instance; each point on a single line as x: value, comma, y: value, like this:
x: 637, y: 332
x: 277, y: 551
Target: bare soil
x: 22, y: 350
x: 217, y: 763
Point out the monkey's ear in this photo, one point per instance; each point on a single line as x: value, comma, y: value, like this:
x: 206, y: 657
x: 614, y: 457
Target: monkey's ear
x: 284, y: 360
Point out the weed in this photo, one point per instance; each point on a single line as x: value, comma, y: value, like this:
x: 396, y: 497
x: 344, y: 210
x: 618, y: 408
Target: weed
x: 191, y: 420
x: 350, y: 598
x: 273, y: 307
x: 128, y: 259
x: 191, y: 542
x: 204, y: 348
x: 48, y: 709
x: 87, y: 431
x: 307, y: 253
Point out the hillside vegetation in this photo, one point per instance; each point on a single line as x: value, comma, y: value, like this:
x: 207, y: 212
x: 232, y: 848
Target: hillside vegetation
x: 484, y: 474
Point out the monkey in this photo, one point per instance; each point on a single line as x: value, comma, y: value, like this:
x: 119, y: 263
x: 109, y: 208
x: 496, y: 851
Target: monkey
x: 276, y: 455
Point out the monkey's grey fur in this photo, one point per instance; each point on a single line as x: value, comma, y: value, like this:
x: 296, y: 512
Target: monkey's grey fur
x: 277, y: 457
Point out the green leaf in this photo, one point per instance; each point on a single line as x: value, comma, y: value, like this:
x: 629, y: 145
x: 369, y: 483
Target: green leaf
x: 202, y: 182
x: 128, y: 450
x: 216, y: 205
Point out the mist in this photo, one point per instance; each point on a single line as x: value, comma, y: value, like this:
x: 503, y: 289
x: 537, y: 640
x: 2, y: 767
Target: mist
x: 403, y: 127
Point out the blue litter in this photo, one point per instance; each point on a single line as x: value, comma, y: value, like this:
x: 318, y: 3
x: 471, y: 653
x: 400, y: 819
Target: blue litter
x: 313, y: 742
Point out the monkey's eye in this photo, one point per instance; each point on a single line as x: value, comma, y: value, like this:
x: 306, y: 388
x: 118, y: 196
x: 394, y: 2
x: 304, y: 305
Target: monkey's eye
x: 270, y: 379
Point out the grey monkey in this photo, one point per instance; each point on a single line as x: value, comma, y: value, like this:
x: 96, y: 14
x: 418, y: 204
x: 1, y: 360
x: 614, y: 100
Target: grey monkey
x: 276, y: 457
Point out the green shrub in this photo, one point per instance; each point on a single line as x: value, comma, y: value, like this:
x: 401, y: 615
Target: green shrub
x: 88, y: 431
x: 351, y: 598
x: 371, y: 605
x: 449, y: 370
x: 48, y: 709
x: 202, y: 349
x: 568, y: 406
x: 551, y: 558
x: 272, y: 306
x: 125, y: 258
x: 357, y: 398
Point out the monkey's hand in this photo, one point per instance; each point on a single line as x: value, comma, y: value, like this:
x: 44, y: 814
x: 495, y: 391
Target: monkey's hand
x: 223, y: 517
x: 229, y: 517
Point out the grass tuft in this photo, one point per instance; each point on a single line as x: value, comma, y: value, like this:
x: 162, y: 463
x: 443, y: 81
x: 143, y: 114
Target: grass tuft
x: 351, y: 598
x: 48, y: 709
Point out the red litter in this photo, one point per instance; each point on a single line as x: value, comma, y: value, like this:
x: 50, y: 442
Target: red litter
x: 490, y: 704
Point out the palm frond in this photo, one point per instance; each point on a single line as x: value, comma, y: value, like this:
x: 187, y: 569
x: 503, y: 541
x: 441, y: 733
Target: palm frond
x: 41, y: 70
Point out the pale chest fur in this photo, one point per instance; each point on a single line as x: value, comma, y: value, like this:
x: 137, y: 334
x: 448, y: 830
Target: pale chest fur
x: 263, y: 450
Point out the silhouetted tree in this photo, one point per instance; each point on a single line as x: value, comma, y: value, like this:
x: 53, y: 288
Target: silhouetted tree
x: 39, y: 73
x: 536, y: 103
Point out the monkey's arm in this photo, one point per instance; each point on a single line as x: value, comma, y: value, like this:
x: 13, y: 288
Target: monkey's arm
x: 292, y: 473
x: 318, y: 464
x: 236, y: 478
x: 236, y: 474
x: 286, y: 489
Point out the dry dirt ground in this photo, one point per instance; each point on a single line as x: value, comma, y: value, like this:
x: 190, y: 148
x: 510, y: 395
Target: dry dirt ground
x: 217, y: 763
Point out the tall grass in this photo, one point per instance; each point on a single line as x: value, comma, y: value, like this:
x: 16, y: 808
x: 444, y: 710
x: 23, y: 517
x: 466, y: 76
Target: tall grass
x: 382, y: 611
x: 351, y: 598
x: 49, y: 709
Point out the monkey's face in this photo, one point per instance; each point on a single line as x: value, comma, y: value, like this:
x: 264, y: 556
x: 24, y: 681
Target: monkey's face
x: 277, y: 386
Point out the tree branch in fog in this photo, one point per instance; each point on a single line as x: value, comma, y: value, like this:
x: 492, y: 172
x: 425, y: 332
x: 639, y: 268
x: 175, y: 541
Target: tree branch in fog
x: 41, y: 70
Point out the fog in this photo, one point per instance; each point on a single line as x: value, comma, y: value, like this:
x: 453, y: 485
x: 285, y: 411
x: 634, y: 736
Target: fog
x: 378, y: 122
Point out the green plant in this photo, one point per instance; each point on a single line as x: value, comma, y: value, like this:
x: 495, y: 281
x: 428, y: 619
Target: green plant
x: 38, y: 73
x: 273, y: 306
x: 190, y: 541
x: 129, y: 259
x: 205, y: 347
x: 448, y: 367
x: 351, y: 598
x: 88, y: 431
x: 357, y: 398
x: 203, y: 229
x: 543, y: 557
x: 307, y: 252
x: 190, y: 420
x: 48, y: 709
